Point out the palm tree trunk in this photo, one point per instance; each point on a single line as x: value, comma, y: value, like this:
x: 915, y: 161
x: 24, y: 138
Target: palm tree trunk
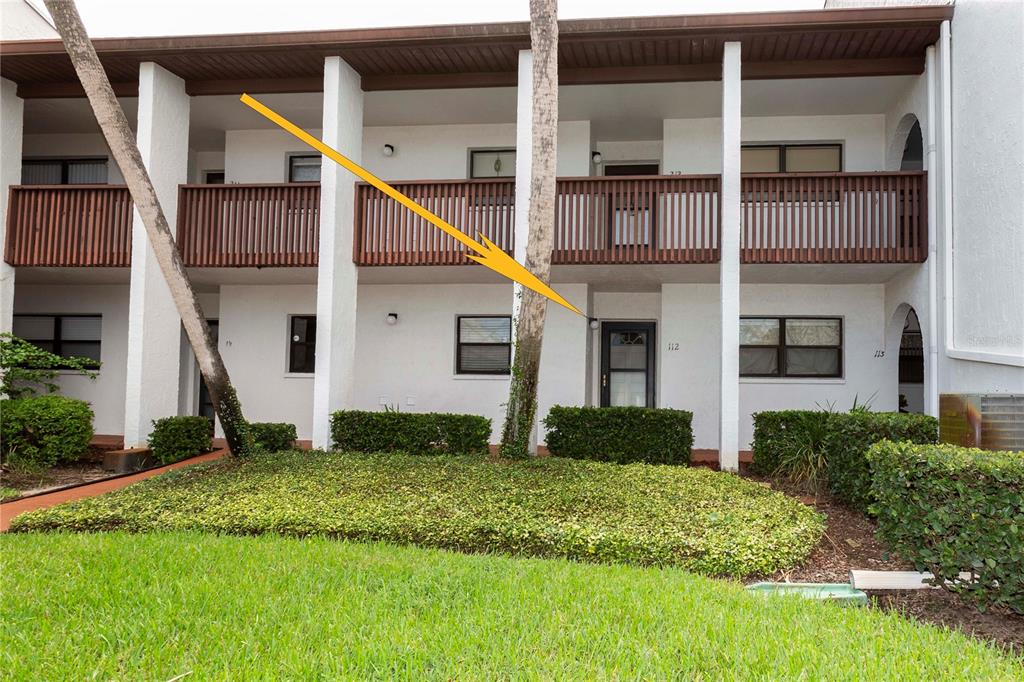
x: 122, y: 145
x: 522, y: 401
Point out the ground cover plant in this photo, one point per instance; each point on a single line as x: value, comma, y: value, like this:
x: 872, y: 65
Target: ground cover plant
x: 705, y: 521
x: 620, y: 434
x: 155, y: 607
x: 949, y: 509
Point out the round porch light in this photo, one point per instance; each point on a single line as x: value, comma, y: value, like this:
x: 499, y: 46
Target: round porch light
x: 388, y: 150
x: 594, y: 323
x: 596, y: 158
x: 392, y: 318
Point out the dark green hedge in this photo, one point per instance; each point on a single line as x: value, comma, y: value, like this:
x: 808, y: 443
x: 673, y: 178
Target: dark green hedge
x: 620, y: 434
x: 175, y: 438
x: 950, y: 509
x: 41, y: 431
x: 415, y: 433
x: 845, y: 439
x: 273, y: 436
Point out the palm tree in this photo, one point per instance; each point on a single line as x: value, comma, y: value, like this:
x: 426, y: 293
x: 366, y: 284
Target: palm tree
x: 522, y: 401
x: 122, y: 145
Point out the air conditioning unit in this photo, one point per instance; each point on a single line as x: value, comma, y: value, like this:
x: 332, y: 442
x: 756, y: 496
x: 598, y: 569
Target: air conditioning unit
x: 987, y: 421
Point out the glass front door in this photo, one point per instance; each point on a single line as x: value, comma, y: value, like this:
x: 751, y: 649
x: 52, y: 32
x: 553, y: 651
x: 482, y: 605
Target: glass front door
x: 627, y: 364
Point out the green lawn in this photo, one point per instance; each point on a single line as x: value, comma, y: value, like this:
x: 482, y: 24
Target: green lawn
x: 150, y: 607
x: 704, y: 521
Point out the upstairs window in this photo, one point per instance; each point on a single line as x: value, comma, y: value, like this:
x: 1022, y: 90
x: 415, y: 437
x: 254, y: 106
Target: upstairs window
x: 64, y: 171
x: 791, y: 347
x: 492, y: 163
x: 483, y: 344
x: 69, y: 336
x: 302, y: 344
x: 791, y: 158
x: 304, y: 168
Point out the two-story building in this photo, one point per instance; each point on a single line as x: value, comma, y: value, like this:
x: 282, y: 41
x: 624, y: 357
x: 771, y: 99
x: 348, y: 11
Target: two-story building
x: 755, y: 211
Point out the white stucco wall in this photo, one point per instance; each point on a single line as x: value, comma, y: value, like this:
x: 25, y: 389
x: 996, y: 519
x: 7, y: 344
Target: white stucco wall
x: 688, y: 377
x: 106, y: 393
x: 988, y: 205
x: 693, y: 145
x: 253, y: 342
x: 421, y: 152
x: 71, y: 145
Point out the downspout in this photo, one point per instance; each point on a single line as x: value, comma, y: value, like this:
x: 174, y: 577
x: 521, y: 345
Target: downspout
x: 946, y: 171
x: 932, y: 399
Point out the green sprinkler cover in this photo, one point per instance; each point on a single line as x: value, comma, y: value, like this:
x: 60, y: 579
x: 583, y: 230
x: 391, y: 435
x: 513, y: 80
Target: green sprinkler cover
x: 841, y: 593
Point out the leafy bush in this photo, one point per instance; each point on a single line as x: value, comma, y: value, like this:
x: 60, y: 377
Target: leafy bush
x: 175, y: 438
x: 704, y: 521
x: 27, y: 369
x: 273, y: 436
x: 837, y: 442
x: 43, y: 430
x: 620, y: 434
x: 415, y: 433
x: 849, y: 472
x: 950, y: 509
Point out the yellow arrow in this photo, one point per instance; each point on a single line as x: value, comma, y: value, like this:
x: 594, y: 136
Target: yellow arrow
x: 492, y: 256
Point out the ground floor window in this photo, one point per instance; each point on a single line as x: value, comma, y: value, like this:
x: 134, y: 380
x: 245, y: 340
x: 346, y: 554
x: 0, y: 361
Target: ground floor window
x: 302, y: 344
x: 69, y: 336
x: 791, y: 347
x: 483, y: 344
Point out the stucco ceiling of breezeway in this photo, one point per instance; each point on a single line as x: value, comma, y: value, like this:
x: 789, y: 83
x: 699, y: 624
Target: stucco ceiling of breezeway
x: 617, y: 112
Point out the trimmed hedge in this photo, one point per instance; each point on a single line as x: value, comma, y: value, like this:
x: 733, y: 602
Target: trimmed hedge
x: 847, y: 437
x: 175, y: 438
x: 620, y: 434
x: 949, y: 509
x: 415, y: 433
x: 273, y: 436
x: 41, y: 431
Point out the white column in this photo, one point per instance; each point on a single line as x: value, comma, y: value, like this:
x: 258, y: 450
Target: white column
x: 12, y: 110
x: 154, y: 327
x: 729, y: 265
x: 337, y: 277
x: 524, y: 172
x: 524, y: 166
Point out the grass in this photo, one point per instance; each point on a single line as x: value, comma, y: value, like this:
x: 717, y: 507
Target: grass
x: 9, y: 494
x: 704, y: 521
x: 151, y: 607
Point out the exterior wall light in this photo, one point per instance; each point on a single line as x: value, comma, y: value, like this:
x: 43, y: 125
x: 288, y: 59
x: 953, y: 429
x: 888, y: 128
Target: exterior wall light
x: 596, y: 158
x: 392, y: 319
x: 594, y: 323
x: 388, y: 150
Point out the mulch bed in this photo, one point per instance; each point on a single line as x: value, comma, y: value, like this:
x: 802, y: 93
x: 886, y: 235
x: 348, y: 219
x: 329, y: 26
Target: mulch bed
x: 87, y: 469
x: 850, y: 543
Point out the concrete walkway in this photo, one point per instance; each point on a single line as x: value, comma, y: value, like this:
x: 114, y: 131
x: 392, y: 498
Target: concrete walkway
x: 11, y: 509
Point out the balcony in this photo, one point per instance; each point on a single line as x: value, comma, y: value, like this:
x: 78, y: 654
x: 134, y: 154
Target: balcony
x: 785, y: 219
x: 233, y: 226
x: 69, y: 226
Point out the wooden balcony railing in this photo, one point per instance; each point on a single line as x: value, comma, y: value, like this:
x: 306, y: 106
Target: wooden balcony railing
x: 662, y: 219
x: 834, y: 218
x: 249, y: 225
x: 69, y: 226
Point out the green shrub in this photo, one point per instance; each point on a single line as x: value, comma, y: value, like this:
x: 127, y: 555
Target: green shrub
x: 26, y: 369
x: 415, y: 433
x: 620, y: 434
x: 849, y: 472
x: 950, y: 509
x: 175, y: 438
x: 843, y: 440
x: 273, y: 436
x: 41, y: 431
x: 700, y: 520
